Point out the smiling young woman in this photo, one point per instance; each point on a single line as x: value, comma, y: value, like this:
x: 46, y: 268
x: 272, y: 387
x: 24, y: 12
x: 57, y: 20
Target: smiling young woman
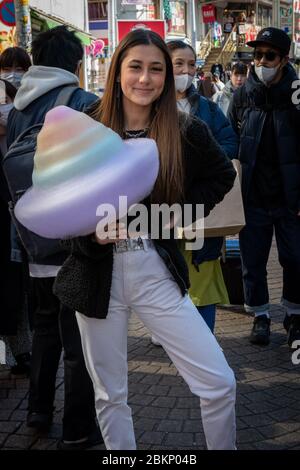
x: 149, y: 276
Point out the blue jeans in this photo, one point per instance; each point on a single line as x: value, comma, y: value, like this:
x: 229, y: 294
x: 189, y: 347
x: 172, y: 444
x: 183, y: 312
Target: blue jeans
x: 255, y: 245
x: 208, y: 313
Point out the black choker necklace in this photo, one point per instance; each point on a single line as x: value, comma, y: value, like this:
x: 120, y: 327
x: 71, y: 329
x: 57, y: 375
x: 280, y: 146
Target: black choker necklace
x: 136, y: 134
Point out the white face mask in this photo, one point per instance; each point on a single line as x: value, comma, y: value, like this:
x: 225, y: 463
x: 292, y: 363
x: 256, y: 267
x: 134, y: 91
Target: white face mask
x: 4, y: 112
x: 183, y: 82
x: 13, y: 77
x: 266, y: 74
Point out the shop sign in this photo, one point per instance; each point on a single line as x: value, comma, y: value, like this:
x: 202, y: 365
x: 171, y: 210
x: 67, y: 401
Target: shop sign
x: 286, y: 19
x: 208, y: 13
x: 125, y: 26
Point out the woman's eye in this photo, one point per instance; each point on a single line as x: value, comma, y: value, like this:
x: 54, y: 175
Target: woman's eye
x: 156, y: 69
x: 134, y: 66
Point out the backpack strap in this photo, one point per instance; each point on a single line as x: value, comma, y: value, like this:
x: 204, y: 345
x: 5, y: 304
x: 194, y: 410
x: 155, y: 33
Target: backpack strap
x: 65, y: 95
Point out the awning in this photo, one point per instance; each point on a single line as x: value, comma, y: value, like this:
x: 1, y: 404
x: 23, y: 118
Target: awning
x: 43, y: 22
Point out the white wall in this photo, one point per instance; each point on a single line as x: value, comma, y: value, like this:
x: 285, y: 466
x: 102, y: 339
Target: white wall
x: 71, y: 11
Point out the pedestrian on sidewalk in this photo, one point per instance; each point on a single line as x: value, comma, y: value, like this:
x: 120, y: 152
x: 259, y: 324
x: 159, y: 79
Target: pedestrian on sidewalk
x: 237, y: 79
x: 14, y: 283
x: 57, y: 55
x: 207, y: 284
x: 268, y: 121
x: 149, y: 276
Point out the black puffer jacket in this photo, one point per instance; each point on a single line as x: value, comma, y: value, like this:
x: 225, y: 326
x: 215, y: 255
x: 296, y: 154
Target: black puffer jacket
x: 84, y: 281
x: 248, y: 111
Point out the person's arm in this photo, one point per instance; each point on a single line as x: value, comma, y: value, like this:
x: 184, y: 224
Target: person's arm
x: 209, y: 172
x: 86, y: 246
x: 232, y: 113
x: 223, y: 132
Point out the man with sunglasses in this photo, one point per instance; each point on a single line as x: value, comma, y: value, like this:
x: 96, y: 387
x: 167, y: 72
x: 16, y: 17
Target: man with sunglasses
x: 268, y: 122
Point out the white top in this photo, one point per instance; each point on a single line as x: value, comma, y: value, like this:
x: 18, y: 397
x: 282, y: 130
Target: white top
x: 43, y: 270
x: 184, y: 105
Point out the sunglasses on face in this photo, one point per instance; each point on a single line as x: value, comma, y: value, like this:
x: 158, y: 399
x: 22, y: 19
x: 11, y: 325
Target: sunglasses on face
x: 269, y: 55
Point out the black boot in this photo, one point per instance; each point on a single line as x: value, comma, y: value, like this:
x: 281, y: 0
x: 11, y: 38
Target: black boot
x: 292, y: 325
x: 260, y: 333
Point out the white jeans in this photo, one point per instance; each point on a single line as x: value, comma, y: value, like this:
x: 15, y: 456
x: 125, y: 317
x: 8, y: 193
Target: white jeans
x: 142, y: 283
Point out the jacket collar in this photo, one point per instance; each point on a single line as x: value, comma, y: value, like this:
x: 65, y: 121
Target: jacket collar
x: 279, y: 94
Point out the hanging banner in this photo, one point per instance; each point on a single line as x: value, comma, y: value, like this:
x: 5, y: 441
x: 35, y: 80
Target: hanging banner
x: 208, y: 13
x: 125, y: 26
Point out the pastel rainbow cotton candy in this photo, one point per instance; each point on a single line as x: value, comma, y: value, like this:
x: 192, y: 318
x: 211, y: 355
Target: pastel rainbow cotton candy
x: 78, y: 165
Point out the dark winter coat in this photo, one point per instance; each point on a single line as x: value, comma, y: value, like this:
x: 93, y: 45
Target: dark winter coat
x: 251, y: 105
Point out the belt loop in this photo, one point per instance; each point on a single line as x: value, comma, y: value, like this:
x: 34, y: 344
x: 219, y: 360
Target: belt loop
x: 145, y: 245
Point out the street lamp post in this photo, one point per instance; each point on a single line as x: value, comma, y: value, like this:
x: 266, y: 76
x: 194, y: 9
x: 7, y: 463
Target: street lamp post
x: 276, y: 13
x: 23, y: 24
x: 112, y: 15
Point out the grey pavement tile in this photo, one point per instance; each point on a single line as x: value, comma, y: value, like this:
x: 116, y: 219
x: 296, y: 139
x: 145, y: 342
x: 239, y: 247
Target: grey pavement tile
x: 171, y: 381
x: 9, y: 426
x: 257, y: 420
x: 139, y: 388
x: 170, y: 425
x: 179, y: 439
x: 138, y: 399
x: 152, y: 437
x: 3, y: 437
x: 249, y: 435
x: 44, y: 444
x: 9, y: 404
x: 153, y: 412
x: 192, y: 426
x: 190, y: 402
x: 161, y: 390
x: 18, y: 393
x: 145, y: 424
x: 179, y: 413
x: 164, y: 402
x: 5, y: 414
x: 17, y: 441
x: 180, y: 391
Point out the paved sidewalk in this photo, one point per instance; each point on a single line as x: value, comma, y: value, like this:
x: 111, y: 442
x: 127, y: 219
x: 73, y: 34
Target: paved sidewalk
x: 166, y: 414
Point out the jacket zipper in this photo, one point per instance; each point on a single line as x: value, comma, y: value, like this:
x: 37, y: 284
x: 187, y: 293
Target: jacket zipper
x: 175, y: 269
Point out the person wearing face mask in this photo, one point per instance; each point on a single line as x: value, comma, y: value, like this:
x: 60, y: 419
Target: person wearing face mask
x: 14, y: 318
x: 57, y: 56
x: 14, y: 63
x: 237, y: 79
x: 267, y: 118
x: 207, y: 284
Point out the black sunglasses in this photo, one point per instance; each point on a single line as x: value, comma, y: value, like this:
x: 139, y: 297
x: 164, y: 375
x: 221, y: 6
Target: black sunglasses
x: 269, y: 55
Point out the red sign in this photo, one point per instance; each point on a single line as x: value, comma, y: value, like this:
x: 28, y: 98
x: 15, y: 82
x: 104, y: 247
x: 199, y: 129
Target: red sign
x: 208, y: 13
x: 125, y: 26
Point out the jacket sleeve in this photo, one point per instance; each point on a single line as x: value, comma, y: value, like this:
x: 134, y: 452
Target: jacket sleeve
x: 209, y: 172
x: 223, y: 132
x: 87, y: 247
x: 233, y: 114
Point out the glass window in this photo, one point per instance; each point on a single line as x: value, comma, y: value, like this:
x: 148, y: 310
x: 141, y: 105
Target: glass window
x: 97, y: 10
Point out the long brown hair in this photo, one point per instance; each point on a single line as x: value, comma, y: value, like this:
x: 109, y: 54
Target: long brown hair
x: 164, y: 127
